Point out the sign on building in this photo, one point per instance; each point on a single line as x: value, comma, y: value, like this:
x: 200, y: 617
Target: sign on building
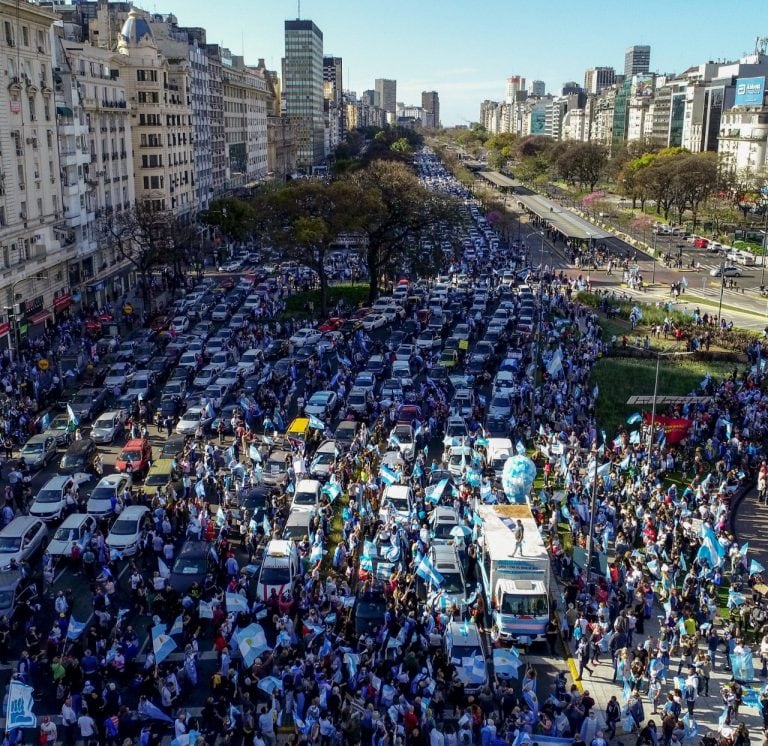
x: 750, y: 91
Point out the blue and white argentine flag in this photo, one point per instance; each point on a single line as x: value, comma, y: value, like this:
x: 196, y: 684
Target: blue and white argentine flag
x: 428, y: 572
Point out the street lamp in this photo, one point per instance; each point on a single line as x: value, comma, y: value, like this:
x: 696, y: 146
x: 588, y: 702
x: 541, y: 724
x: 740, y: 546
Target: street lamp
x: 722, y: 289
x: 14, y: 323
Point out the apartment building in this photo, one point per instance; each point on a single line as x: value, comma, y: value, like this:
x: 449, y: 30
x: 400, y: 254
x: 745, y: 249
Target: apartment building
x: 35, y: 240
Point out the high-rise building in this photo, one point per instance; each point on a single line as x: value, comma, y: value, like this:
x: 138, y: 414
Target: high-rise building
x: 386, y: 91
x: 515, y: 87
x: 538, y: 88
x: 303, y: 90
x: 430, y: 102
x: 637, y: 59
x: 333, y: 78
x: 597, y: 78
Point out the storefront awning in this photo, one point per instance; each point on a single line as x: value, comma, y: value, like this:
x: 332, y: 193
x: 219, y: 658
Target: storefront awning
x: 39, y: 317
x: 62, y: 302
x: 64, y: 111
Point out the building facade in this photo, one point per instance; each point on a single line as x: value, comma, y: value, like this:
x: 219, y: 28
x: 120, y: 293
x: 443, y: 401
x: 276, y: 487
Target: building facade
x: 430, y: 102
x: 637, y: 59
x: 386, y: 95
x: 303, y: 90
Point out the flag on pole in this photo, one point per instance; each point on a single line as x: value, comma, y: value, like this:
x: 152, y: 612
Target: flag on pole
x: 163, y: 569
x: 162, y: 644
x: 633, y: 419
x: 316, y: 423
x: 150, y: 710
x: 72, y: 419
x: 755, y: 567
x: 428, y: 572
x: 251, y: 642
x: 74, y: 628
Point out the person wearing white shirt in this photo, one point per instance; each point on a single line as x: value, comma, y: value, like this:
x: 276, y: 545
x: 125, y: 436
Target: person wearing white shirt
x: 180, y: 725
x: 87, y: 726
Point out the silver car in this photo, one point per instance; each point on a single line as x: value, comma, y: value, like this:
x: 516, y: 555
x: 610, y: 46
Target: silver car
x: 39, y: 450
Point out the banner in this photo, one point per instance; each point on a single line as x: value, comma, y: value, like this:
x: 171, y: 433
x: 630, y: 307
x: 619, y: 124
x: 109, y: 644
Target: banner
x: 20, y: 703
x: 675, y: 428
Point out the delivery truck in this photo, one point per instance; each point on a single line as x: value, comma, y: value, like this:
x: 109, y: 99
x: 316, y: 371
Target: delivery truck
x: 516, y: 584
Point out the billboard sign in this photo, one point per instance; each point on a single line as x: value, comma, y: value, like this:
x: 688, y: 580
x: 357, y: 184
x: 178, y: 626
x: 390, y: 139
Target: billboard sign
x: 750, y: 91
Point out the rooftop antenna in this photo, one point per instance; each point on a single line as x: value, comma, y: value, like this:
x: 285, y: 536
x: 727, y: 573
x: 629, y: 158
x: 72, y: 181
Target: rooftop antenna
x: 299, y: 16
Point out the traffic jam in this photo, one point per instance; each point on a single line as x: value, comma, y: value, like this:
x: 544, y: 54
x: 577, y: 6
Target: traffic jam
x: 240, y: 519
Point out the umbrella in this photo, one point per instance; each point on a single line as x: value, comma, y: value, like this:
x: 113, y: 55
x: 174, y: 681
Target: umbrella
x: 461, y: 531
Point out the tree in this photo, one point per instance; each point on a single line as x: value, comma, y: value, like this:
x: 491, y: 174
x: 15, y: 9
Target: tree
x: 695, y: 179
x: 232, y: 216
x: 144, y: 237
x: 395, y: 212
x: 581, y: 162
x: 306, y: 217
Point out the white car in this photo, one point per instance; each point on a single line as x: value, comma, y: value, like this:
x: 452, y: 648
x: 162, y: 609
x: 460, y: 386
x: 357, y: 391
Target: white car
x: 51, y: 500
x: 180, y: 324
x: 220, y: 312
x: 726, y: 272
x: 194, y: 416
x: 124, y: 535
x: 393, y: 312
x: 323, y: 460
x: 100, y: 503
x: 108, y: 426
x: 118, y: 375
x: 374, y: 321
x: 76, y: 530
x: 249, y: 362
x: 321, y: 404
x: 306, y: 336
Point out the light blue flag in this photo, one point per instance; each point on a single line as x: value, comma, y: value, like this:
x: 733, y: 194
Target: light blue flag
x: 75, y: 628
x: 72, y: 417
x: 736, y: 599
x: 251, y: 642
x: 369, y: 549
x: 394, y: 440
x: 506, y: 662
x: 162, y: 644
x: 520, y: 448
x: 624, y: 464
x: 755, y: 567
x: 366, y: 563
x: 482, y: 442
x: 391, y: 553
x: 744, y: 549
x: 269, y: 684
x: 681, y: 627
x: 315, y: 423
x: 332, y: 490
x: 429, y: 573
x: 388, y: 475
x: 200, y: 488
x: 151, y: 711
x: 633, y: 419
x: 316, y: 555
x: 384, y: 570
x: 634, y: 437
x: 205, y: 610
x: 177, y: 627
x: 236, y: 603
x: 20, y: 705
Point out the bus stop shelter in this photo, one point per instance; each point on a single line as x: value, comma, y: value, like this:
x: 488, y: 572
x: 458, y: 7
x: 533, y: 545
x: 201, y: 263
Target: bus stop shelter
x: 502, y: 183
x: 570, y: 226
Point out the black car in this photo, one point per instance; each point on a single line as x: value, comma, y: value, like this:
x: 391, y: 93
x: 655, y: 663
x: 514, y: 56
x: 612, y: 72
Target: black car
x: 191, y: 565
x: 497, y: 427
x: 87, y: 403
x: 276, y: 349
x: 160, y: 366
x: 174, y: 446
x: 368, y: 611
x: 170, y: 406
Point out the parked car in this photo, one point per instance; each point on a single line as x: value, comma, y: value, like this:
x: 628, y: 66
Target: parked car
x: 190, y: 566
x: 71, y: 538
x: 135, y: 458
x: 51, y: 500
x: 306, y: 336
x: 108, y: 426
x: 87, y: 403
x: 22, y: 540
x: 39, y: 451
x: 103, y: 499
x: 123, y: 537
x: 322, y: 404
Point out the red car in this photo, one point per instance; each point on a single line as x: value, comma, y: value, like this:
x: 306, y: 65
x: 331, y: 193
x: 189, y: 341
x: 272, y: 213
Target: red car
x: 361, y: 313
x: 136, y: 457
x: 159, y: 323
x: 408, y: 413
x: 331, y: 325
x: 227, y: 283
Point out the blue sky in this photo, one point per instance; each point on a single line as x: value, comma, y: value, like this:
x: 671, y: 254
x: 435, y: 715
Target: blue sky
x: 466, y: 50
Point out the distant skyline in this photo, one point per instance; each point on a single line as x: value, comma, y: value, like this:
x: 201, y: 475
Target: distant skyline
x: 465, y: 55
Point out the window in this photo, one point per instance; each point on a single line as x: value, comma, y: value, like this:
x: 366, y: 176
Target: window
x: 9, y: 37
x: 25, y: 36
x: 46, y: 110
x: 49, y: 138
x: 32, y: 109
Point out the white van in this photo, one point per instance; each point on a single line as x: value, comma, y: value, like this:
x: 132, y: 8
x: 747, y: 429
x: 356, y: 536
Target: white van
x: 279, y: 568
x: 397, y: 501
x: 306, y: 495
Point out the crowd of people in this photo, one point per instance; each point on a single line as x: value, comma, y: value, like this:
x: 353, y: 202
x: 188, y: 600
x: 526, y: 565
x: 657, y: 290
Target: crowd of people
x: 317, y: 680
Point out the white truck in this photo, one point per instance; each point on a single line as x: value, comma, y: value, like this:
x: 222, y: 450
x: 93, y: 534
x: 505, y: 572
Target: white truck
x: 499, y: 450
x: 517, y: 586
